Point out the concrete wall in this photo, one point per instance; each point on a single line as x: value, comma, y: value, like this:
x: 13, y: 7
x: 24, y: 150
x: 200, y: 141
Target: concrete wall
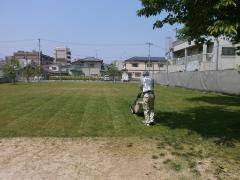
x: 225, y: 81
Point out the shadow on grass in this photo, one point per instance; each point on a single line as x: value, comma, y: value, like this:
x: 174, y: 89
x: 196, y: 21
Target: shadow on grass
x: 208, y: 121
x: 218, y: 100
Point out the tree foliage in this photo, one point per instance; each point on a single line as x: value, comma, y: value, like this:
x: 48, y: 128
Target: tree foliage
x: 11, y: 68
x: 29, y: 71
x: 200, y: 18
x: 38, y: 70
x: 113, y: 71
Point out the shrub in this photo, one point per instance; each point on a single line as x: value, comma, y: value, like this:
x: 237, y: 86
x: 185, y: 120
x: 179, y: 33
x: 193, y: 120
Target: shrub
x: 74, y: 78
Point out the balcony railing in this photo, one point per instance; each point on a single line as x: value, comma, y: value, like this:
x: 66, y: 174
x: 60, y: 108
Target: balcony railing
x: 197, y: 57
x: 178, y: 42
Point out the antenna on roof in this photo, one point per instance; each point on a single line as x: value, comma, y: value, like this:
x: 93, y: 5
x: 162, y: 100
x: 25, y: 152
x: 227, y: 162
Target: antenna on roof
x: 96, y: 56
x: 149, y: 54
x: 168, y: 47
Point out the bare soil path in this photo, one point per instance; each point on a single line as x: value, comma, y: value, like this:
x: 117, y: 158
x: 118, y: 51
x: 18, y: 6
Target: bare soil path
x: 86, y: 158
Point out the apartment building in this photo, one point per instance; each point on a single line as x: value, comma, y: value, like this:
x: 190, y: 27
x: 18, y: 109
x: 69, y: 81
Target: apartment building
x: 89, y: 66
x: 215, y: 55
x: 62, y: 55
x: 135, y: 66
x: 32, y: 56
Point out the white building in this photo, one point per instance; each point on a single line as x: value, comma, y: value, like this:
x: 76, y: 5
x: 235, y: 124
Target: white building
x: 135, y: 66
x: 62, y: 55
x: 216, y: 55
x: 89, y: 66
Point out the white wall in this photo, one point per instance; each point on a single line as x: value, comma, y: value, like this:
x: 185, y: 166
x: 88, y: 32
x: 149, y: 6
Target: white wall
x: 90, y: 71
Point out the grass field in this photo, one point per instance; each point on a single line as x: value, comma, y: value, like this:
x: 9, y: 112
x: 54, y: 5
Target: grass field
x: 194, y: 124
x: 97, y: 109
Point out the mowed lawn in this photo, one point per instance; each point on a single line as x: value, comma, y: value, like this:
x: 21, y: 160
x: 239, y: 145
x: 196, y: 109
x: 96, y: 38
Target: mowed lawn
x: 102, y: 109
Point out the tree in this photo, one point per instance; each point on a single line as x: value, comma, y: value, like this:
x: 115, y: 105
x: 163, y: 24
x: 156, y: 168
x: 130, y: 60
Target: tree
x: 113, y: 71
x: 29, y: 70
x: 38, y: 71
x: 10, y: 69
x: 200, y: 18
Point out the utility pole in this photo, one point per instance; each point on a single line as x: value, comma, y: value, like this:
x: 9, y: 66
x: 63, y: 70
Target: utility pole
x: 39, y: 51
x: 89, y: 71
x: 39, y: 57
x: 149, y: 54
x: 167, y: 72
x: 96, y: 53
x: 217, y: 54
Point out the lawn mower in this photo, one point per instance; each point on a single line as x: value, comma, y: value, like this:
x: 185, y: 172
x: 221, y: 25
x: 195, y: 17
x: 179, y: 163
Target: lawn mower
x: 137, y: 106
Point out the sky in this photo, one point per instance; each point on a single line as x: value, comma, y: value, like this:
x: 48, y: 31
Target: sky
x: 107, y: 29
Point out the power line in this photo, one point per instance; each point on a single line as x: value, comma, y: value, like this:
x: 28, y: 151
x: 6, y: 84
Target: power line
x: 79, y: 44
x: 154, y: 45
x: 17, y: 41
x: 92, y: 44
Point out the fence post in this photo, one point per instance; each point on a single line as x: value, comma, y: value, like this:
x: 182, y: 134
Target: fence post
x: 217, y: 55
x: 185, y: 52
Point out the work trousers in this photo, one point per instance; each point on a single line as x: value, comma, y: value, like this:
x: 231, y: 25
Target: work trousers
x: 148, y: 107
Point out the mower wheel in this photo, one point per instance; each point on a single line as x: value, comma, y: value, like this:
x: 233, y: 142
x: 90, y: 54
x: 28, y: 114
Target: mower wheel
x: 131, y: 109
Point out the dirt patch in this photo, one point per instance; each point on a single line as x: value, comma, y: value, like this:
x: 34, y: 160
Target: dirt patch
x: 87, y: 158
x: 82, y: 158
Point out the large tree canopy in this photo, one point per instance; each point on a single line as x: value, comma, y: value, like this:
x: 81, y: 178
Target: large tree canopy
x: 201, y: 18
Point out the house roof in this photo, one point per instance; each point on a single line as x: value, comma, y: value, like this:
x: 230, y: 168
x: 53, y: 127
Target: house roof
x: 145, y: 59
x: 88, y: 59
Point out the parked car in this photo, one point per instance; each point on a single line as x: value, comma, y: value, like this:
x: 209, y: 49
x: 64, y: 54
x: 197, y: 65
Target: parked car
x: 106, y: 78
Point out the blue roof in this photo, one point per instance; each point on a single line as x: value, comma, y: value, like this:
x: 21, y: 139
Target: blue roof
x: 145, y: 59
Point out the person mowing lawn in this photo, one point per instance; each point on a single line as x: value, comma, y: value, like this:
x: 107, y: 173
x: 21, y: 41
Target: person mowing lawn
x: 147, y: 90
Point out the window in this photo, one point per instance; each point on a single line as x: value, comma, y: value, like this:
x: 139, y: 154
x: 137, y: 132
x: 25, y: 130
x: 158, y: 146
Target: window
x: 149, y: 65
x: 160, y: 65
x: 81, y: 64
x: 91, y: 65
x: 130, y: 75
x: 137, y: 74
x: 134, y: 64
x: 228, y: 51
x: 54, y: 68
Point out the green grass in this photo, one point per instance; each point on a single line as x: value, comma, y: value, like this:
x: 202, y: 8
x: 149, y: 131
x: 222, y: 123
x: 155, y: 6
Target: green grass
x: 101, y: 109
x: 188, y: 121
